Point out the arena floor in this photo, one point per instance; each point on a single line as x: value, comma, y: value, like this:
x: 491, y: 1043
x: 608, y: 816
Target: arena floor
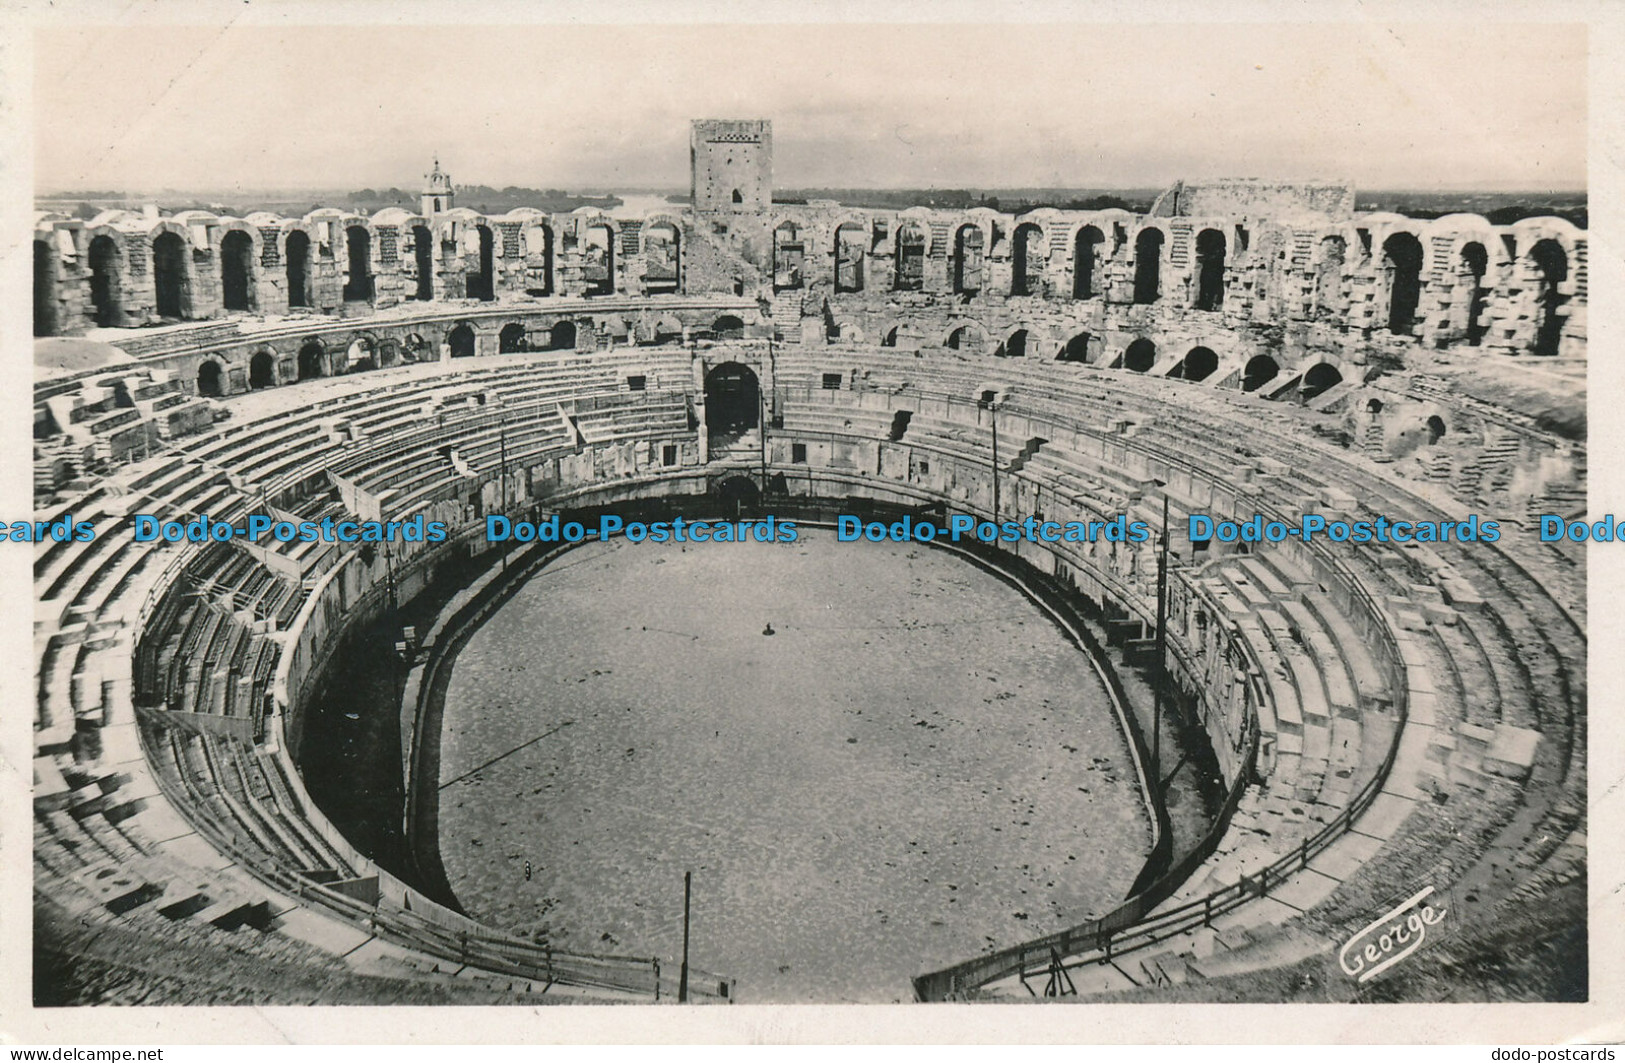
x: 916, y: 767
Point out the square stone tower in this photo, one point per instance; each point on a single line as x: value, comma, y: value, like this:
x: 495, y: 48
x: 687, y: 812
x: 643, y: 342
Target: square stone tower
x: 731, y: 165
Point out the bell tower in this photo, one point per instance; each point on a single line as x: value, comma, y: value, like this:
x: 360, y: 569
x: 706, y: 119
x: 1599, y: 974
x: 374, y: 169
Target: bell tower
x: 437, y: 192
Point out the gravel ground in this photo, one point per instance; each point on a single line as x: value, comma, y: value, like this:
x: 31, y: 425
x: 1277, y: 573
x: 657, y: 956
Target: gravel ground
x: 915, y: 767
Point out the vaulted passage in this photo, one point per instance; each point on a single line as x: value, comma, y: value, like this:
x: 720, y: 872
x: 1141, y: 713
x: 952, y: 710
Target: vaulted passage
x: 562, y: 337
x: 298, y: 269
x: 208, y: 380
x: 851, y: 246
x: 237, y: 271
x: 312, y: 361
x: 1199, y: 364
x: 1320, y: 379
x: 1552, y: 265
x: 169, y: 276
x: 1140, y: 356
x: 662, y: 258
x: 511, y: 340
x: 423, y: 262
x: 358, y: 277
x: 1027, y: 260
x: 461, y: 341
x: 1209, y: 269
x: 910, y: 276
x: 1259, y: 371
x: 480, y: 284
x: 1402, y: 260
x: 968, y: 248
x: 45, y: 308
x: 789, y: 258
x: 1084, y: 257
x: 598, y: 261
x: 1016, y: 346
x: 1148, y: 265
x: 1076, y: 349
x: 262, y: 370
x: 538, y: 260
x: 106, y: 290
x: 1475, y: 262
x: 733, y: 400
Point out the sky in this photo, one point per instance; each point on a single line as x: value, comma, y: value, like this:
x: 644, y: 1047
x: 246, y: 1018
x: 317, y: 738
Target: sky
x: 1465, y: 106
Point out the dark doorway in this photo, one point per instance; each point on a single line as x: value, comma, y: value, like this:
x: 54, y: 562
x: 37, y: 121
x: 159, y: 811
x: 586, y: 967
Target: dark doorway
x: 237, y: 271
x: 169, y: 275
x: 358, y: 277
x: 910, y: 272
x: 1435, y: 428
x: 851, y: 246
x: 480, y: 283
x: 1140, y: 356
x: 312, y: 361
x: 1319, y: 380
x: 106, y: 290
x: 1016, y: 345
x: 1259, y: 371
x: 728, y: 327
x: 461, y: 341
x: 1552, y: 263
x: 1148, y: 265
x: 511, y: 340
x: 298, y: 248
x: 262, y: 370
x: 741, y: 493
x: 598, y: 261
x: 1475, y: 262
x: 423, y: 259
x: 562, y: 337
x: 733, y: 400
x: 1402, y: 258
x: 1209, y: 270
x: 1027, y: 263
x: 45, y: 308
x: 208, y: 380
x: 1199, y: 364
x: 1076, y: 349
x: 968, y: 247
x: 1083, y: 262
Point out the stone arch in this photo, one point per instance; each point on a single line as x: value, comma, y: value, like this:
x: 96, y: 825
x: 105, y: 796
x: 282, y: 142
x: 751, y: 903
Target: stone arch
x: 1198, y: 364
x: 1148, y: 264
x: 970, y: 251
x: 361, y: 355
x: 667, y: 329
x: 106, y: 255
x: 1402, y: 263
x: 171, y: 275
x: 262, y: 370
x: 1085, y: 257
x: 237, y: 271
x: 1019, y: 344
x: 312, y: 360
x: 1321, y: 378
x: 1260, y: 370
x: 733, y: 401
x: 415, y: 348
x: 47, y: 310
x: 789, y: 257
x: 662, y: 257
x: 851, y: 252
x: 1551, y: 265
x: 423, y: 257
x: 512, y: 339
x: 966, y: 336
x: 299, y: 256
x: 1473, y: 263
x: 562, y: 336
x: 209, y: 379
x: 539, y: 259
x: 1210, y: 251
x: 462, y: 341
x: 728, y: 327
x: 481, y: 283
x: 1075, y: 349
x: 1140, y: 356
x: 598, y: 259
x: 908, y: 274
x: 358, y: 264
x: 1027, y: 254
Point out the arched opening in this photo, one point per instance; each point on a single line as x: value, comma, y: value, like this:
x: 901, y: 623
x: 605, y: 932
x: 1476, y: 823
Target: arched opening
x: 169, y: 276
x: 360, y: 356
x: 298, y: 248
x: 389, y: 354
x: 667, y: 330
x: 237, y: 271
x: 481, y: 284
x: 889, y: 337
x: 358, y: 273
x: 208, y: 379
x: 1402, y: 260
x: 106, y: 290
x: 910, y: 263
x: 511, y: 340
x: 1148, y: 265
x: 728, y: 327
x: 1435, y: 429
x: 1373, y: 406
x: 415, y: 349
x: 1552, y: 264
x: 1329, y: 277
x: 312, y: 361
x: 1015, y: 345
x: 740, y: 493
x: 851, y: 248
x: 662, y: 258
x: 1076, y: 349
x: 539, y: 260
x: 968, y: 254
x: 262, y: 370
x: 1320, y: 379
x: 562, y: 337
x: 733, y: 401
x: 598, y: 261
x: 1140, y: 356
x: 965, y: 338
x: 1083, y: 262
x: 789, y: 257
x: 1259, y: 371
x: 46, y: 315
x: 423, y: 263
x: 1199, y: 364
x: 461, y: 341
x: 1475, y: 262
x: 1209, y: 270
x: 1027, y: 260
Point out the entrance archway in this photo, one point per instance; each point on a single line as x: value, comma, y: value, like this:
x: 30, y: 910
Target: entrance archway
x: 169, y: 275
x: 208, y: 380
x: 1209, y: 270
x: 1320, y: 379
x: 1199, y: 364
x: 1402, y: 258
x: 106, y: 291
x: 298, y: 250
x: 423, y: 260
x: 461, y: 341
x: 45, y: 308
x: 237, y: 271
x: 312, y: 361
x: 1140, y: 356
x: 262, y: 370
x: 358, y: 278
x: 733, y: 401
x: 1259, y: 371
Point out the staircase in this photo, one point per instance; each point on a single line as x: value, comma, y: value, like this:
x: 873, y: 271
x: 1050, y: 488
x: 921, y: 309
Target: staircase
x: 1020, y: 461
x: 786, y: 313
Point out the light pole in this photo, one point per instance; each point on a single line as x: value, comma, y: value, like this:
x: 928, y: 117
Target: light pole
x: 991, y: 402
x: 1160, y: 673
x: 682, y: 978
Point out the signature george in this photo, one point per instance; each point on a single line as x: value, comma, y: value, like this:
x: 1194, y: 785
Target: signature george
x: 1390, y: 938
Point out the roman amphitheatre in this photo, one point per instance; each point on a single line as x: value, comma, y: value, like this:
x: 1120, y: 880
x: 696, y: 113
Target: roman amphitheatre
x: 476, y: 772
